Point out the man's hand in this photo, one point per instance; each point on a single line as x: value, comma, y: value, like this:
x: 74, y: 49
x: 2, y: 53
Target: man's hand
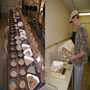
x: 72, y: 58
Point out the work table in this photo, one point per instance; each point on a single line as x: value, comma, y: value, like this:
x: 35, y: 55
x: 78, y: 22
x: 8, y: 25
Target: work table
x: 59, y: 83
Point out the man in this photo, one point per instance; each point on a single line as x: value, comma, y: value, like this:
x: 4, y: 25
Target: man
x: 80, y: 56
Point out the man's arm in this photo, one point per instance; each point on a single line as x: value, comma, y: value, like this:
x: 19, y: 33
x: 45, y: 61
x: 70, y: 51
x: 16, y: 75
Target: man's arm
x: 74, y: 57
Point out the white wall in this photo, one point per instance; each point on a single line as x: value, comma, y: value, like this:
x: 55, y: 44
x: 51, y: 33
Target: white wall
x: 57, y: 25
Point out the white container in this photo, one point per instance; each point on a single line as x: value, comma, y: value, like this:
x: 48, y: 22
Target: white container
x: 25, y: 51
x: 25, y: 45
x: 22, y: 33
x: 13, y: 14
x: 15, y: 20
x: 21, y: 30
x: 29, y: 58
x: 35, y: 77
x: 20, y: 24
x: 56, y: 65
x: 16, y: 27
x: 23, y: 37
x: 17, y: 37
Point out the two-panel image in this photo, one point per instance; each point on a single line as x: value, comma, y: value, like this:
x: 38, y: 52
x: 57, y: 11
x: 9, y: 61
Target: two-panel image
x: 44, y: 44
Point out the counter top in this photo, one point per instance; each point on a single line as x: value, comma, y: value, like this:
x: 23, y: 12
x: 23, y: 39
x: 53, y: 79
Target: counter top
x: 60, y: 83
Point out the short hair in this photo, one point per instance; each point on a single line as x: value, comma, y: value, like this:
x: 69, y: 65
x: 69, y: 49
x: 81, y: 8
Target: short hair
x: 76, y: 16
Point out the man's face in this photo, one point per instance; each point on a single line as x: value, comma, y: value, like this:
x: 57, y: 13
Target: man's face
x: 74, y: 21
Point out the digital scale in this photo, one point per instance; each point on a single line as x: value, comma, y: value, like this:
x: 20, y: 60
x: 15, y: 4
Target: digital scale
x: 57, y: 69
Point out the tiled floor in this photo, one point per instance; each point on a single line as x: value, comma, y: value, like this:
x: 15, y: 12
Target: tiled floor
x: 3, y: 56
x: 86, y: 77
x: 3, y: 74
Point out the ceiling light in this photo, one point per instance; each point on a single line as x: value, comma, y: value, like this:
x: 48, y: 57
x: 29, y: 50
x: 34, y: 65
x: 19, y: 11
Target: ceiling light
x: 84, y: 14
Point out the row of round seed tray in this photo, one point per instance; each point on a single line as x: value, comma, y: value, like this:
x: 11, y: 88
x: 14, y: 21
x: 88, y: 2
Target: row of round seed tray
x: 18, y: 76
